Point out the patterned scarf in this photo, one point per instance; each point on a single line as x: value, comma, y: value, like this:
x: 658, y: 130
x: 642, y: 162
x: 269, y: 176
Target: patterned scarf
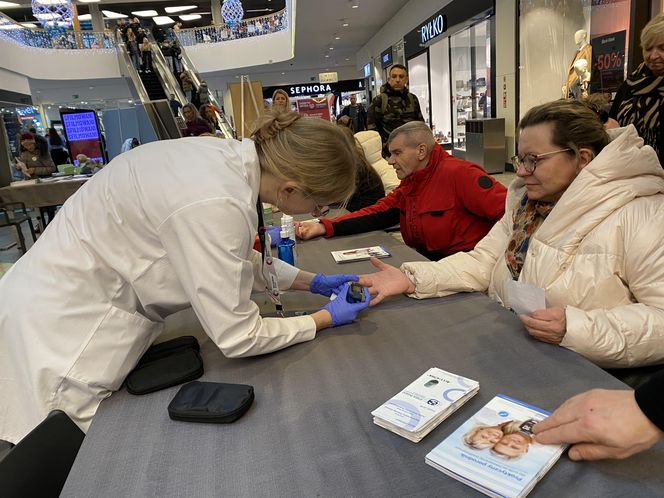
x: 527, y: 219
x: 643, y: 107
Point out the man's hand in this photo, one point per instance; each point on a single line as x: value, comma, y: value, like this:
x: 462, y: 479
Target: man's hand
x: 547, y: 325
x: 309, y: 230
x: 388, y: 281
x: 600, y: 424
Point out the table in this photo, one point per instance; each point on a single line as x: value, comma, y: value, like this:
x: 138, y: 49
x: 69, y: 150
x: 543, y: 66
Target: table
x: 310, y: 431
x: 39, y: 195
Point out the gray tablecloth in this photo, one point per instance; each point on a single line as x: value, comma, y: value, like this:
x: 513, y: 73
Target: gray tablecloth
x: 310, y: 431
x: 41, y: 194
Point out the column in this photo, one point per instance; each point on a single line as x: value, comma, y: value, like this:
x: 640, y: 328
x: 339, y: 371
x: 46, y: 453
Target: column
x: 97, y: 17
x: 215, y: 5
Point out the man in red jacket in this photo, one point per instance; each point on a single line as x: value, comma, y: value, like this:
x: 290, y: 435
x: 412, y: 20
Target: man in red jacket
x: 444, y: 204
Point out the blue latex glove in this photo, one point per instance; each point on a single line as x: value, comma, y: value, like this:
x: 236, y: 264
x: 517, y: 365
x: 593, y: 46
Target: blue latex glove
x: 274, y: 235
x: 325, y: 284
x: 341, y: 310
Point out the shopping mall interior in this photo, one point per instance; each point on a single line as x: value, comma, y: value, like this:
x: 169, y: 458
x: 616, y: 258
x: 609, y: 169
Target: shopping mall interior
x: 89, y: 87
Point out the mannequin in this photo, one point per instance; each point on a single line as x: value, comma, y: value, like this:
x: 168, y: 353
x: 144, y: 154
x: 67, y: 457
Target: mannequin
x: 583, y: 51
x: 579, y: 88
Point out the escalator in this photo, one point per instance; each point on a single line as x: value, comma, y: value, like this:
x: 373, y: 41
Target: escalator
x: 153, y: 86
x: 223, y: 124
x: 152, y: 90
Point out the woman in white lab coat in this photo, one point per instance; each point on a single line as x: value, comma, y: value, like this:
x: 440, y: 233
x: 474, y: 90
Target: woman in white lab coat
x: 163, y: 227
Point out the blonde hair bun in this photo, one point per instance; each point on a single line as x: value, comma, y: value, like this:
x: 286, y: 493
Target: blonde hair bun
x: 271, y: 123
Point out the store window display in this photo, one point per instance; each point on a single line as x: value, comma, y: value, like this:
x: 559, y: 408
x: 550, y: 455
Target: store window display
x: 584, y: 51
x: 580, y: 85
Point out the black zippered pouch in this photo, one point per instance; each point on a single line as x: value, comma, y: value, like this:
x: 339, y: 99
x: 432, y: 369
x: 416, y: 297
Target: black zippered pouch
x: 211, y: 402
x: 166, y: 365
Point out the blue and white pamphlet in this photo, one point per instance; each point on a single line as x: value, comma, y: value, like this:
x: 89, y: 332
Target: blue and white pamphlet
x: 425, y: 403
x: 494, y: 451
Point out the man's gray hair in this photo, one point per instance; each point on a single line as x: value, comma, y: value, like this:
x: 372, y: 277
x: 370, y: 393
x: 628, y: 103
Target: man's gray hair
x: 416, y: 133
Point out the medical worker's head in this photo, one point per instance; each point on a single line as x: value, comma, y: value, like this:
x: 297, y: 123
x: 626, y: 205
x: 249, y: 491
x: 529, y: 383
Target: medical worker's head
x: 306, y: 163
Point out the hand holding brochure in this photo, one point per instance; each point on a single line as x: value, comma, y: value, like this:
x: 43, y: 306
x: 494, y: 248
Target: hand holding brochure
x: 360, y: 254
x: 494, y: 451
x: 422, y: 405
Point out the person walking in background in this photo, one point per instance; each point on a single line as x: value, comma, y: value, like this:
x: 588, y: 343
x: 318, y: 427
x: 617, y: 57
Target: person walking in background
x: 640, y: 99
x: 188, y: 85
x: 174, y: 104
x: 209, y: 113
x: 203, y: 94
x: 356, y: 113
x: 280, y: 101
x: 176, y: 55
x: 57, y: 147
x: 394, y: 106
x: 133, y: 49
x: 146, y: 54
x: 195, y: 124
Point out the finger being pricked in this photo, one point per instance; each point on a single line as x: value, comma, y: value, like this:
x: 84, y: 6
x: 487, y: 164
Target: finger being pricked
x: 376, y: 298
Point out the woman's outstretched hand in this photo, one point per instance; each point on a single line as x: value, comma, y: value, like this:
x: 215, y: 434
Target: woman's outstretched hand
x: 387, y: 281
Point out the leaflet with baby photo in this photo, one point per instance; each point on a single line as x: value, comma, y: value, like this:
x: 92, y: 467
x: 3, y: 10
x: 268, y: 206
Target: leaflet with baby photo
x: 422, y: 405
x: 360, y: 254
x: 494, y: 451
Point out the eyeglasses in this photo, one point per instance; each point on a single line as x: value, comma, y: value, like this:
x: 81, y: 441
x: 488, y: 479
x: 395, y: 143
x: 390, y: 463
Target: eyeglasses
x: 529, y: 161
x: 318, y: 210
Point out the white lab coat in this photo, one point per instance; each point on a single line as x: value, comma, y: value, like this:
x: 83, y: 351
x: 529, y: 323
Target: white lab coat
x: 163, y: 227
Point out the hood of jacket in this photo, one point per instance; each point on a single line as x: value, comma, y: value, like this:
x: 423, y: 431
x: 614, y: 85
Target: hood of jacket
x: 371, y: 144
x: 624, y: 170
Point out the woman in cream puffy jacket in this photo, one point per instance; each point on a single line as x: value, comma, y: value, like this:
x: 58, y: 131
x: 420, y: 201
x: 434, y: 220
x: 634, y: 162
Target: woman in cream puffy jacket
x: 370, y: 142
x: 584, y: 222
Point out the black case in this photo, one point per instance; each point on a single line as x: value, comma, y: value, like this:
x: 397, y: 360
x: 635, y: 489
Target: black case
x: 165, y: 365
x: 211, y: 402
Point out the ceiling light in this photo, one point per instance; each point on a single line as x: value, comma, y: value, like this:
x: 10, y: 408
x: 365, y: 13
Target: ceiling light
x: 113, y: 15
x: 345, y: 24
x: 337, y: 38
x: 161, y: 20
x: 173, y: 10
x: 8, y: 5
x: 189, y: 17
x: 85, y: 17
x: 145, y: 13
x: 355, y: 4
x: 89, y: 1
x: 327, y: 56
x: 331, y: 48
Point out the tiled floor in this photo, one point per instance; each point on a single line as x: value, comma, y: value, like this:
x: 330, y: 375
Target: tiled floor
x: 7, y: 238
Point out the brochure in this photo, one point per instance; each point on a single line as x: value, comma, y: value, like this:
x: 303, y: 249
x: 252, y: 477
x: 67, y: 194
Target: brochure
x: 425, y: 403
x: 360, y: 254
x: 494, y: 451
